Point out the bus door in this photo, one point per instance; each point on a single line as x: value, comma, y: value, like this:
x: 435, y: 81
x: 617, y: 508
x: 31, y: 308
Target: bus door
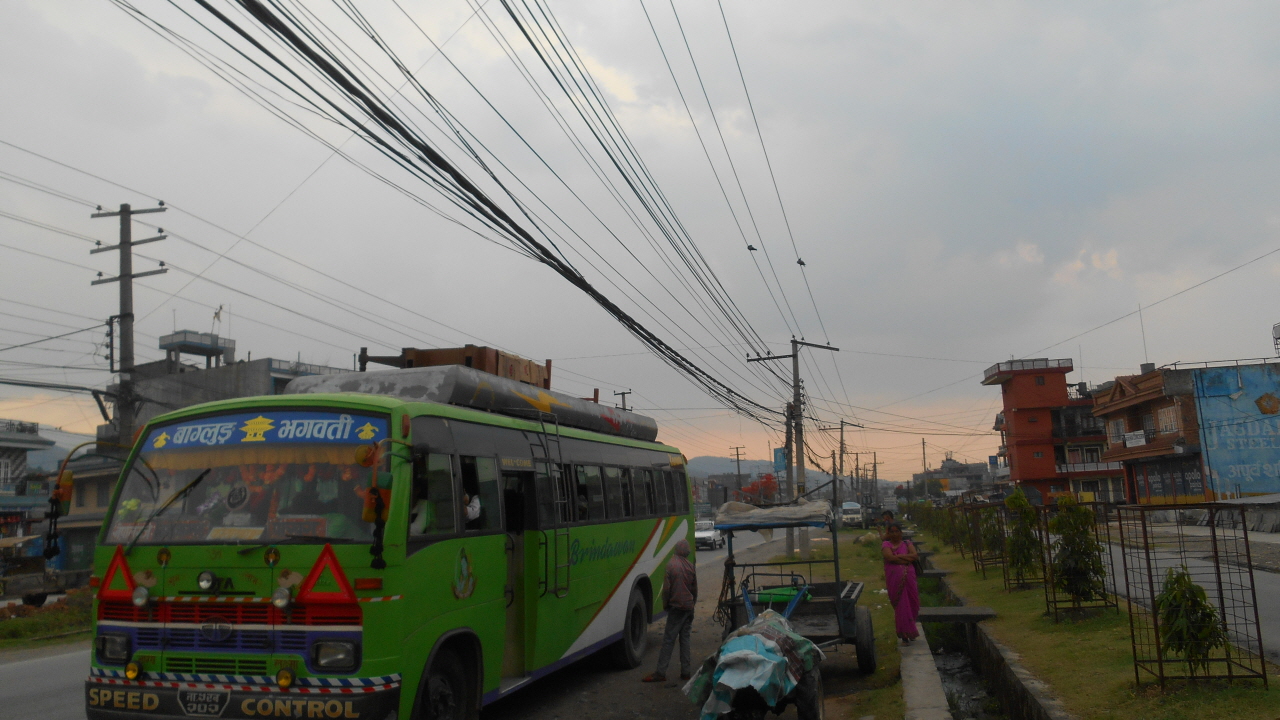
x: 516, y: 488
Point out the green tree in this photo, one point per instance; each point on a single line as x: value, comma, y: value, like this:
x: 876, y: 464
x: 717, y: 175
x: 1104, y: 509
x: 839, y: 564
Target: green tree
x: 934, y: 487
x: 1025, y: 551
x: 1078, y: 570
x: 1189, y: 623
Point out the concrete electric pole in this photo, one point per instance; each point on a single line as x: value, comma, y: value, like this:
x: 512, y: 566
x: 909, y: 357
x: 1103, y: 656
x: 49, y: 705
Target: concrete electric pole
x: 737, y: 456
x: 796, y: 425
x: 125, y: 400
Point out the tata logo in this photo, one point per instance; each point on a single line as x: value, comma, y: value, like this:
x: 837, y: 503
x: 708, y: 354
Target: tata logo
x: 215, y: 629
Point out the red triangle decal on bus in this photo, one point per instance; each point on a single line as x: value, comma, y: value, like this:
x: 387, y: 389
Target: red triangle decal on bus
x: 118, y: 566
x: 326, y: 561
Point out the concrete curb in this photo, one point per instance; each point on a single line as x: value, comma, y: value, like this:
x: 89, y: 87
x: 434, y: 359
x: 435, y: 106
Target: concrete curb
x: 921, y: 685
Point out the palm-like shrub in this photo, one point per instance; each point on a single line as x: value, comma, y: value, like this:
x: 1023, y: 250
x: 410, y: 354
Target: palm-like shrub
x: 1024, y: 549
x: 1078, y: 570
x: 1189, y: 624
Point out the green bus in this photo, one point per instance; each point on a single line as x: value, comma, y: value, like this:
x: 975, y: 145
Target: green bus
x: 358, y: 555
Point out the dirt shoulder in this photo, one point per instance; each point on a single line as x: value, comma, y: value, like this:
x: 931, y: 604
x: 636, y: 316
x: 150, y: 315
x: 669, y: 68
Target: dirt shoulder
x: 592, y: 688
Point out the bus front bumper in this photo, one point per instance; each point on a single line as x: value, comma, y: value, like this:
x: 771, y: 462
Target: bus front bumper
x: 117, y: 699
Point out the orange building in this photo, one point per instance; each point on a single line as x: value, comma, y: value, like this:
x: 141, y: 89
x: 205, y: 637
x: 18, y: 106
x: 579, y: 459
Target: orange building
x: 1050, y: 438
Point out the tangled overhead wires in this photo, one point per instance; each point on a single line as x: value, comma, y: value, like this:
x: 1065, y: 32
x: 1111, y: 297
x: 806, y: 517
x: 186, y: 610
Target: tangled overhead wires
x: 303, y: 69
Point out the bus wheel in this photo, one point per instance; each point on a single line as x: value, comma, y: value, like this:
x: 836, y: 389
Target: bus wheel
x: 629, y: 651
x: 447, y: 692
x: 35, y: 600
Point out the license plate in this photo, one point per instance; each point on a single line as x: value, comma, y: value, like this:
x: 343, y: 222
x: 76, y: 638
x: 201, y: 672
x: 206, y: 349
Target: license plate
x: 203, y: 703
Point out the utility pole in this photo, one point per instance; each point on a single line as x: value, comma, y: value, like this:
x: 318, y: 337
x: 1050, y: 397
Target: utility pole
x: 835, y: 492
x: 797, y: 421
x: 737, y: 455
x: 125, y: 401
x: 875, y: 479
x: 790, y: 493
x: 624, y: 395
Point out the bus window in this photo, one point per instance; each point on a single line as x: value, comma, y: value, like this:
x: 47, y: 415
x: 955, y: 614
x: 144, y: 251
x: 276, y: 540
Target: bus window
x: 546, y: 497
x: 681, y: 492
x: 432, y: 509
x: 628, y: 500
x: 668, y: 485
x: 480, y: 493
x: 642, y: 483
x: 661, y: 499
x: 613, y: 493
x: 590, y: 493
x: 514, y: 486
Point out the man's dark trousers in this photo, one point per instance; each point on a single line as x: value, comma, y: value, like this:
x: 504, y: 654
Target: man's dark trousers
x: 679, y: 624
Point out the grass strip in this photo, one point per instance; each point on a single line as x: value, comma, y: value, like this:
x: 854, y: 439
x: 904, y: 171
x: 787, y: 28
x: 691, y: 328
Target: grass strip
x: 1089, y: 662
x: 20, y: 624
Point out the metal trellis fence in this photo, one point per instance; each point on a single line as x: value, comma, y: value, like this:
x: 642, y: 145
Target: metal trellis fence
x: 1193, y: 604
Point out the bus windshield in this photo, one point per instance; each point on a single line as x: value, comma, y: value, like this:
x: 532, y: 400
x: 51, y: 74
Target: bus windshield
x: 274, y: 476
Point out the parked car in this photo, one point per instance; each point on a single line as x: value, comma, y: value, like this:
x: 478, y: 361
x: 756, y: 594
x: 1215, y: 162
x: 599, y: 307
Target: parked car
x: 852, y: 514
x: 706, y: 535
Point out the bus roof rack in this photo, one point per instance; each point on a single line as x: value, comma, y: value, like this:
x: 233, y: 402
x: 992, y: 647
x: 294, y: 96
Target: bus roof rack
x: 468, y: 387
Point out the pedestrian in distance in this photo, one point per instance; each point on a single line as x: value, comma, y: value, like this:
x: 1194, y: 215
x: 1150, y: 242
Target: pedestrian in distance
x: 679, y: 594
x: 886, y: 518
x: 900, y: 580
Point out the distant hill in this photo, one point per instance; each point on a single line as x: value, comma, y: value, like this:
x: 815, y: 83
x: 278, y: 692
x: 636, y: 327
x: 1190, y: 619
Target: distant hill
x: 706, y: 465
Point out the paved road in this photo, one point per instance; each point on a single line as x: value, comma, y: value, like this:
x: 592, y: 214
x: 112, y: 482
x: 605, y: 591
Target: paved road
x: 1266, y: 586
x: 44, y: 683
x: 741, y: 541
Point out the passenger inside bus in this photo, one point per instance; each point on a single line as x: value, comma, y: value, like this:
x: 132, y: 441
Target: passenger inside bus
x: 432, y: 510
x: 480, y: 493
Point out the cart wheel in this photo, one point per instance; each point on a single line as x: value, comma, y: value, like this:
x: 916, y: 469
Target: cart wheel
x: 864, y: 640
x: 809, y: 696
x: 35, y: 599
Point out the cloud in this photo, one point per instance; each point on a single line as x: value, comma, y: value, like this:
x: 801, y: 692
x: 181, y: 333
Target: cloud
x: 1090, y: 262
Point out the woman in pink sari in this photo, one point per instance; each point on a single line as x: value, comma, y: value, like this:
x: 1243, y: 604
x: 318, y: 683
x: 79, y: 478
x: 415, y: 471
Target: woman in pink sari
x: 900, y: 580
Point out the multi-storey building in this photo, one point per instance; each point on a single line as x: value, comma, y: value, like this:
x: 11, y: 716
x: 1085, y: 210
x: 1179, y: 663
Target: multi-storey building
x: 22, y: 495
x: 1154, y: 430
x: 1050, y: 440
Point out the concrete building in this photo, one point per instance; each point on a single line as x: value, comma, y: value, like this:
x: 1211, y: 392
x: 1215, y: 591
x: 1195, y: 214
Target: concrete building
x: 1196, y: 432
x: 1154, y: 430
x: 1050, y: 439
x: 23, y: 495
x: 955, y: 477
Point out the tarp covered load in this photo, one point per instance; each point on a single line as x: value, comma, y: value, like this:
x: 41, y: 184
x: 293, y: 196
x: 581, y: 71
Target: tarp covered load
x: 741, y: 516
x: 467, y: 387
x: 765, y: 655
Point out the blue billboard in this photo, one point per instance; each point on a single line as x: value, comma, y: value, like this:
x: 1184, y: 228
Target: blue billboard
x: 1239, y: 409
x: 779, y: 462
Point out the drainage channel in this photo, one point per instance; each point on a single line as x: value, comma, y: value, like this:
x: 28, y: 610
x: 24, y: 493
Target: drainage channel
x: 969, y: 695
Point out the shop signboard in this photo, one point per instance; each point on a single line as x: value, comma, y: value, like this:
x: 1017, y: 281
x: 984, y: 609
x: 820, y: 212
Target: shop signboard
x: 1239, y: 410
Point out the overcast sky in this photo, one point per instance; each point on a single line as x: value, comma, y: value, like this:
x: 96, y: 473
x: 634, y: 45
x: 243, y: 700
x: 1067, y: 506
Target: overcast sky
x: 965, y: 182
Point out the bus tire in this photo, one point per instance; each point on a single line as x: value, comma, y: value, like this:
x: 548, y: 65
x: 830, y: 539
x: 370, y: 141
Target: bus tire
x: 446, y: 690
x: 628, y: 652
x: 864, y: 640
x: 809, y: 695
x: 35, y: 599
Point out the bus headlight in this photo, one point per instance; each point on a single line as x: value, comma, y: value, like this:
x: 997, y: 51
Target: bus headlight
x: 140, y: 596
x: 206, y: 580
x: 335, y: 655
x: 112, y: 648
x: 281, y: 598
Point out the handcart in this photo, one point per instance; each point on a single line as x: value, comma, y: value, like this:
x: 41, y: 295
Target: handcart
x: 789, y: 611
